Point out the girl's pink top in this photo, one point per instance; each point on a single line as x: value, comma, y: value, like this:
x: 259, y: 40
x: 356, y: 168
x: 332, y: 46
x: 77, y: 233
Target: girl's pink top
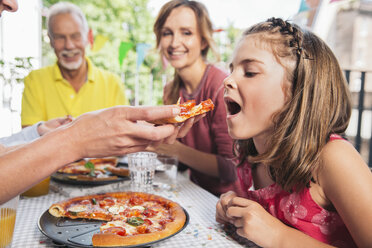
x: 298, y: 210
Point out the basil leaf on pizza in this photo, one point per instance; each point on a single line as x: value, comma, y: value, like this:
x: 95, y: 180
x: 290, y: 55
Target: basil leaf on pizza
x: 135, y: 221
x: 89, y: 165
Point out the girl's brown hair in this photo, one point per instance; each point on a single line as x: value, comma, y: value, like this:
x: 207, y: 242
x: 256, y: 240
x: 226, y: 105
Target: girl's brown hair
x: 318, y: 105
x: 205, y: 29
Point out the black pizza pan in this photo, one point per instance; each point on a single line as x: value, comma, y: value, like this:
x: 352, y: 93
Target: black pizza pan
x: 64, y: 178
x: 79, y: 232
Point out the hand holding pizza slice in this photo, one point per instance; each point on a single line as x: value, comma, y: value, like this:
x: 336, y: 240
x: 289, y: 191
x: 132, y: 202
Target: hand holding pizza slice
x: 188, y: 109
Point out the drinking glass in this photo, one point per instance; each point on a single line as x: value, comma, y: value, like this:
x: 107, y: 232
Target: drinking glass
x: 8, y: 212
x: 142, y: 169
x: 166, y: 172
x: 42, y: 188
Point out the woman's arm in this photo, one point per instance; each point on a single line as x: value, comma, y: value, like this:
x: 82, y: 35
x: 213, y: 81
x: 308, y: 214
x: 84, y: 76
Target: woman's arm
x: 347, y: 183
x: 200, y: 161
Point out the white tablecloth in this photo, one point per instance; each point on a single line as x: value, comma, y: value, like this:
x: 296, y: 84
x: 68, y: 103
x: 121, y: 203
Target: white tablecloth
x: 202, y: 230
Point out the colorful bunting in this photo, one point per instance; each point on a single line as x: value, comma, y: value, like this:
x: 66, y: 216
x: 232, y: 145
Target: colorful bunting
x: 123, y: 50
x: 141, y: 49
x: 99, y: 41
x: 303, y: 6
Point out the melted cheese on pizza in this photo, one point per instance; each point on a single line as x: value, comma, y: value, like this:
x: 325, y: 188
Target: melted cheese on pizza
x: 149, y: 216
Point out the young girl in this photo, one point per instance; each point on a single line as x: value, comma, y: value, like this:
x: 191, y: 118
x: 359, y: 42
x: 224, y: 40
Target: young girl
x: 184, y: 36
x: 288, y: 108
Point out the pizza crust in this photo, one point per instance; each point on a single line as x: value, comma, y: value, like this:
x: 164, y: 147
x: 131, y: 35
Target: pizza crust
x: 174, y: 120
x: 56, y: 210
x: 107, y: 239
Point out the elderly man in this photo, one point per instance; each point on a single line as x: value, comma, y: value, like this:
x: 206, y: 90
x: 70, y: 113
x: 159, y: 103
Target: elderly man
x: 73, y: 85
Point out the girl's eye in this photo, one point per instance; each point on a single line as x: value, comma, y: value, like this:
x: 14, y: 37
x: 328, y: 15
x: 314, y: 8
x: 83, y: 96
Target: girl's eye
x: 250, y: 74
x: 187, y: 33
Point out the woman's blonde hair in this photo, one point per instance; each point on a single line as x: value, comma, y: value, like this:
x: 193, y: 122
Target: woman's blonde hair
x: 205, y: 29
x: 318, y: 104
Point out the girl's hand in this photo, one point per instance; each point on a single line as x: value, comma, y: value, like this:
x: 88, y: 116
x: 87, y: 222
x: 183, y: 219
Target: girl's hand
x: 254, y: 222
x: 222, y: 206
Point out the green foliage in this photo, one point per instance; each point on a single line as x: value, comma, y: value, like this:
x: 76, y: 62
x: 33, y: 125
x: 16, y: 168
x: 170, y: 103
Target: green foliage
x: 226, y: 41
x: 119, y: 20
x: 14, y: 71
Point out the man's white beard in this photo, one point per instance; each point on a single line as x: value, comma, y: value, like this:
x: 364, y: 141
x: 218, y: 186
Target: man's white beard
x: 71, y: 65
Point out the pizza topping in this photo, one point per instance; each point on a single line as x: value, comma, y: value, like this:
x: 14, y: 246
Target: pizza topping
x: 116, y: 209
x: 85, y: 202
x: 135, y: 200
x: 73, y: 210
x: 133, y: 212
x: 135, y: 221
x: 186, y: 107
x: 148, y: 222
x: 106, y: 202
x: 89, y: 165
x: 94, y: 201
x: 116, y: 230
x: 149, y: 212
x: 140, y: 208
x: 142, y: 229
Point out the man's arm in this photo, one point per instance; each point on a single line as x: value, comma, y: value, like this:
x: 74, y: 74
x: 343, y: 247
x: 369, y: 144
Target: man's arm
x: 108, y: 132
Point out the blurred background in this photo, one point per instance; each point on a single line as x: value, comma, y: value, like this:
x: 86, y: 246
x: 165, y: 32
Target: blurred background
x: 124, y: 43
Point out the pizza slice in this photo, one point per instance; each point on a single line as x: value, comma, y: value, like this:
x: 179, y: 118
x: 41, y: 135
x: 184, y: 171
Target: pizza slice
x: 188, y: 109
x: 99, y: 165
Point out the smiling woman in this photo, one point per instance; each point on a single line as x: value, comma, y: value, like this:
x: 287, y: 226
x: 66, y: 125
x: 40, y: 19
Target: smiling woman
x: 184, y: 37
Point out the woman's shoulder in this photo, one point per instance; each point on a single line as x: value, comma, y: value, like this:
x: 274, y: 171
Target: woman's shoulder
x: 217, y: 71
x: 216, y: 74
x: 214, y: 79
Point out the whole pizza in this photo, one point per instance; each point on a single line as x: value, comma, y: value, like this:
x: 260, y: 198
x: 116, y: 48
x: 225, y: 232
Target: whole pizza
x: 131, y: 217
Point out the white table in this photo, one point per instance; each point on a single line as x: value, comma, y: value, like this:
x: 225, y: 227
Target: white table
x: 202, y: 230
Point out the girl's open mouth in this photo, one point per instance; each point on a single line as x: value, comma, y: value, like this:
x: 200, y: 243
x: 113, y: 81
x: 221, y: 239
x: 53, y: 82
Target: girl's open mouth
x: 232, y: 107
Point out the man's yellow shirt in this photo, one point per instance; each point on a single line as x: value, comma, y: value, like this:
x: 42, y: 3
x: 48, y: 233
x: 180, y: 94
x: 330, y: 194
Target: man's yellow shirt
x: 48, y: 95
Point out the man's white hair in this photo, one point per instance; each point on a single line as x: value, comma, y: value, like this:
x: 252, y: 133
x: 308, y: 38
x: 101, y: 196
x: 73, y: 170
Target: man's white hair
x: 66, y: 8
